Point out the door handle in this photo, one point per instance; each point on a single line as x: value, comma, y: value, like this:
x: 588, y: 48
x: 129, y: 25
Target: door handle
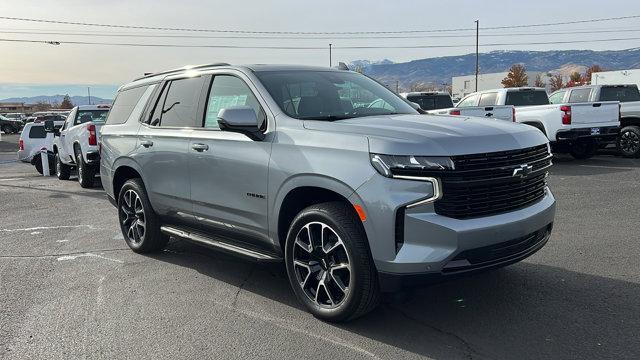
x: 146, y: 143
x: 200, y: 147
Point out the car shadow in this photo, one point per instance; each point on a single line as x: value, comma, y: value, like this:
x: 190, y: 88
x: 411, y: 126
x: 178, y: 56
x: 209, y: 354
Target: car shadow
x: 565, y: 165
x: 526, y: 311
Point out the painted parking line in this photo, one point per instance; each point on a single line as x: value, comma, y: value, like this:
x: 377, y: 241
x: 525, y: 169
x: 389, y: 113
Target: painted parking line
x: 32, y: 229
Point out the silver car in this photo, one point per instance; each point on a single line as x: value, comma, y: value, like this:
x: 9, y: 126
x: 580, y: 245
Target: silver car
x: 326, y: 170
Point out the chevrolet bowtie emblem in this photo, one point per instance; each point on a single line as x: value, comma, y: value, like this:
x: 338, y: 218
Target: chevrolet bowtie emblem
x: 522, y: 171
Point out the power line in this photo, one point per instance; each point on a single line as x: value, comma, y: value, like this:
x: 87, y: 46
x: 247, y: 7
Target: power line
x: 284, y: 37
x: 311, y: 32
x: 311, y: 47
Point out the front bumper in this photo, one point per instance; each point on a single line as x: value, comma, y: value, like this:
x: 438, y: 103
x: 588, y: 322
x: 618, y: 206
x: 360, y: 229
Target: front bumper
x: 435, y: 246
x: 602, y: 135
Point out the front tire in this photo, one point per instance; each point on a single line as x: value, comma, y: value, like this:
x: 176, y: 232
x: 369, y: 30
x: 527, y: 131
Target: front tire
x: 329, y: 264
x: 139, y: 224
x: 86, y: 172
x: 629, y: 141
x: 63, y: 171
x: 583, y: 149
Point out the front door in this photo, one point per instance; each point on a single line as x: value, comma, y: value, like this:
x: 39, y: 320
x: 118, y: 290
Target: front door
x: 229, y: 171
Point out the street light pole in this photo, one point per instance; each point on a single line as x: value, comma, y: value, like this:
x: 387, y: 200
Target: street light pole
x: 329, y: 55
x: 477, y: 52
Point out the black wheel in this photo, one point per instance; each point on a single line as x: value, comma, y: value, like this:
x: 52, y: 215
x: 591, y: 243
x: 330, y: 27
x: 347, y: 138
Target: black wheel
x: 583, y: 149
x: 63, y: 171
x: 329, y: 263
x: 139, y: 223
x: 629, y: 141
x: 37, y: 162
x: 86, y: 172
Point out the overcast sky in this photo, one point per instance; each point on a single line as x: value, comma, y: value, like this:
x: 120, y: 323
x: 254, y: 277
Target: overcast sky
x: 24, y: 66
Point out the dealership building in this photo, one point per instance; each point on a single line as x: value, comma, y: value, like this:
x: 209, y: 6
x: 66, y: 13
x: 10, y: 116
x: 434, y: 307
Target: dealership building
x: 618, y: 77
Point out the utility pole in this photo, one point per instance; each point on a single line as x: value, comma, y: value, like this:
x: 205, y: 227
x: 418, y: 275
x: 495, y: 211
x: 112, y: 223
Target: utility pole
x: 329, y: 55
x: 397, y: 86
x: 89, y: 93
x: 477, y: 51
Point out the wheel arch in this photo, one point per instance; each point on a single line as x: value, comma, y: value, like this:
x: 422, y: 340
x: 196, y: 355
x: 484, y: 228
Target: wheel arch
x: 629, y: 121
x: 124, y: 169
x: 538, y: 125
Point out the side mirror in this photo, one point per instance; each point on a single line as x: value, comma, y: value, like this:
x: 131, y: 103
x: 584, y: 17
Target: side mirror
x: 241, y: 119
x: 49, y: 126
x: 416, y: 107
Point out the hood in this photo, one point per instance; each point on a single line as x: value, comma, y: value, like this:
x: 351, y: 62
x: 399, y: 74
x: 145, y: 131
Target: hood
x: 433, y: 135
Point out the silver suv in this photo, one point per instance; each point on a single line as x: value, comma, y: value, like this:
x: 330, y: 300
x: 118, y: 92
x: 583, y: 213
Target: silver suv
x: 326, y: 170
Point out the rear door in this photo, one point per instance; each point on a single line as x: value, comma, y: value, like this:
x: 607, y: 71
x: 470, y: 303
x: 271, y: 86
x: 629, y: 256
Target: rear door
x: 162, y: 149
x: 65, y: 149
x: 229, y: 171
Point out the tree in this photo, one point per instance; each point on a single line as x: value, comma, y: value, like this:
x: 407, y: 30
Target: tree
x: 589, y: 73
x: 41, y: 106
x: 556, y: 82
x: 538, y: 82
x: 516, y: 77
x: 66, y: 103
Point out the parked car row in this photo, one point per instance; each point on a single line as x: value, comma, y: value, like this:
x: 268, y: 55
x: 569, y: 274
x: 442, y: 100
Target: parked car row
x: 10, y: 125
x: 576, y: 120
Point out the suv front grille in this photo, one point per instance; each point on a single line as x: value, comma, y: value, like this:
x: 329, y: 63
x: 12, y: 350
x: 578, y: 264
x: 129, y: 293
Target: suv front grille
x: 484, y: 184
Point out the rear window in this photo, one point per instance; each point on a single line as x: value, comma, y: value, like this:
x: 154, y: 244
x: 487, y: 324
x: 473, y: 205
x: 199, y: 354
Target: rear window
x: 619, y: 93
x: 37, y: 132
x: 431, y: 102
x: 96, y: 116
x: 527, y: 97
x: 124, y: 104
x: 488, y: 99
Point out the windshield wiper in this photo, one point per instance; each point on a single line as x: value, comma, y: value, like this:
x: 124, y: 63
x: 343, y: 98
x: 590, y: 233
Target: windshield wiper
x: 327, y: 117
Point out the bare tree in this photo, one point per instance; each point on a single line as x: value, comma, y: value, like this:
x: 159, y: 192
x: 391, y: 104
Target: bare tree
x: 556, y: 82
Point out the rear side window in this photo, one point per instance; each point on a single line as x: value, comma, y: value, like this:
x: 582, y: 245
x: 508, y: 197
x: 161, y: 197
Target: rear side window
x: 488, y: 99
x: 557, y: 97
x: 124, y: 104
x: 431, y: 102
x: 178, y: 103
x: 619, y: 93
x: 527, y: 97
x: 579, y: 95
x: 37, y: 132
x: 469, y: 101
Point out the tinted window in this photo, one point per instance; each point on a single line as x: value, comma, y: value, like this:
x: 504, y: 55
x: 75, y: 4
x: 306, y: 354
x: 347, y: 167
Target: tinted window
x: 37, y: 132
x: 579, y: 95
x: 229, y: 92
x: 331, y: 95
x: 124, y: 104
x: 180, y: 104
x: 557, y: 97
x: 431, y: 102
x: 619, y: 93
x: 527, y: 97
x: 471, y: 100
x: 488, y: 99
x: 96, y: 116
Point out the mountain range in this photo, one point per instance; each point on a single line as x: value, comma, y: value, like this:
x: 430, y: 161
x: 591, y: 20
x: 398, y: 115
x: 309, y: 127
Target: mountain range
x: 50, y: 99
x: 440, y: 70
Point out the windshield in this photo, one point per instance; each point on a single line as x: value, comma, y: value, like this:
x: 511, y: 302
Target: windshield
x: 96, y: 116
x: 331, y: 95
x: 527, y: 97
x: 619, y: 93
x: 431, y: 102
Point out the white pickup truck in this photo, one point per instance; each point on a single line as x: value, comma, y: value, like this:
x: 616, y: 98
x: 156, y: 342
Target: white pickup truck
x: 576, y: 128
x: 75, y: 145
x: 479, y: 105
x: 629, y: 97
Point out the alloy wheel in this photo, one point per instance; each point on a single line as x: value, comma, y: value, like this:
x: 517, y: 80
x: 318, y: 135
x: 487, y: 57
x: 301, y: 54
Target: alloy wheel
x: 132, y: 217
x: 322, y: 265
x: 630, y: 142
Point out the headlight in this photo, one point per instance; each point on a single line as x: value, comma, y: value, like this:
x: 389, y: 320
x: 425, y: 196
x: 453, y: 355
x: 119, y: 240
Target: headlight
x: 409, y: 165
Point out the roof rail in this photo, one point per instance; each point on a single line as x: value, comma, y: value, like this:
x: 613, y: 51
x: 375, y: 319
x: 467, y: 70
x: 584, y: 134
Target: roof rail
x: 188, y: 67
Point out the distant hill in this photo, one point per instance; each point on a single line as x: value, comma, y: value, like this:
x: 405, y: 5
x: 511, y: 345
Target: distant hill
x: 76, y: 100
x: 441, y: 69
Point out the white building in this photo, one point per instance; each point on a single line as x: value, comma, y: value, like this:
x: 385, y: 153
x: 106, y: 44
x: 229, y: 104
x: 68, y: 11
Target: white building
x: 465, y: 85
x: 619, y: 77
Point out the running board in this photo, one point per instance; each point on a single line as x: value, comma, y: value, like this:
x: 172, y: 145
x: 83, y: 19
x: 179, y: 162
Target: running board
x: 217, y: 244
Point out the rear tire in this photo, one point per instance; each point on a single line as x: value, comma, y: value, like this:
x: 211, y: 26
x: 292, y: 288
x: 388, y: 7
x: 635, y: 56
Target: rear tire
x: 583, y: 149
x: 628, y: 143
x: 329, y: 263
x: 139, y: 224
x: 86, y: 172
x: 63, y: 171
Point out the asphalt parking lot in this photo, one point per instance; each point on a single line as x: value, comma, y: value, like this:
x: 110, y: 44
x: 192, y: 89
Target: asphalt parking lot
x: 70, y: 288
